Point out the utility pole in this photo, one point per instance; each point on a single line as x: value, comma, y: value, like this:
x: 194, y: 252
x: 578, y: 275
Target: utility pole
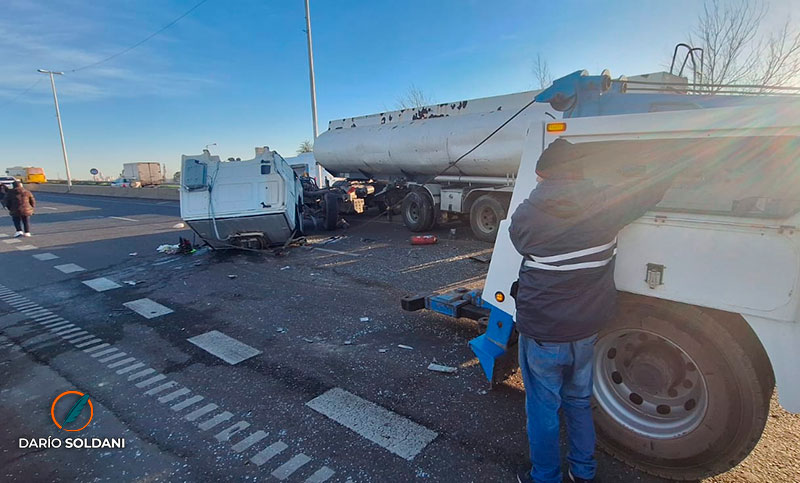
x: 60, y: 129
x: 320, y: 176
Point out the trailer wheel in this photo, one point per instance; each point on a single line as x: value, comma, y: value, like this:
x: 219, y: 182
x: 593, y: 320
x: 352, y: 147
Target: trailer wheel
x: 418, y: 213
x: 331, y: 210
x: 675, y: 395
x: 485, y: 216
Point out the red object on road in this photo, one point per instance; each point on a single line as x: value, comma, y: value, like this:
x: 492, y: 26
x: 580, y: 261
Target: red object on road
x: 424, y: 239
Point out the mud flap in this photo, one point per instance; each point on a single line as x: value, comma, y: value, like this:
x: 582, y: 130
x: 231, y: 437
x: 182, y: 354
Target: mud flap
x: 494, y: 342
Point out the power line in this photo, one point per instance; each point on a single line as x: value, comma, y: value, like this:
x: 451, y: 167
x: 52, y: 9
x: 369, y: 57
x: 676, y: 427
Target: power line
x: 165, y: 27
x: 21, y: 93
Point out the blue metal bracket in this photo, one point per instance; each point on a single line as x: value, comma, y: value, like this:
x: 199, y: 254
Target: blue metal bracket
x: 494, y: 342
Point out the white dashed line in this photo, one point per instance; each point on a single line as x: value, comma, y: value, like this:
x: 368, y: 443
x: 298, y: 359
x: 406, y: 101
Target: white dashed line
x: 321, y: 475
x: 215, y: 421
x: 101, y: 284
x: 121, y: 363
x: 131, y: 368
x: 140, y: 374
x: 104, y: 352
x: 285, y: 470
x: 249, y: 441
x: 122, y: 218
x: 393, y: 432
x: 88, y: 343
x: 46, y: 319
x: 12, y: 241
x: 147, y: 308
x: 69, y: 268
x: 268, y: 453
x: 226, y: 348
x: 150, y: 381
x: 45, y: 256
x: 198, y: 413
x: 69, y: 331
x: 111, y: 358
x: 81, y: 336
x: 161, y: 388
x: 27, y: 247
x: 92, y: 349
x: 52, y: 208
x: 186, y: 403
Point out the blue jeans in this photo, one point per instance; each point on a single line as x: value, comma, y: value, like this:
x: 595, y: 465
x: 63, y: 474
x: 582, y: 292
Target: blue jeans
x: 558, y: 375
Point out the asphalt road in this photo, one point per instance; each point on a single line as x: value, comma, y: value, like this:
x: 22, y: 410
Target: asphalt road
x: 301, y: 378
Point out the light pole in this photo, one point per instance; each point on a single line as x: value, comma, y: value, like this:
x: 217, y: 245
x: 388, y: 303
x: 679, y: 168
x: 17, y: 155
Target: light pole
x: 207, y: 145
x: 60, y: 129
x: 313, y: 88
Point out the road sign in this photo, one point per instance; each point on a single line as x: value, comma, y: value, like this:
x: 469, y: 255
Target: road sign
x: 93, y: 171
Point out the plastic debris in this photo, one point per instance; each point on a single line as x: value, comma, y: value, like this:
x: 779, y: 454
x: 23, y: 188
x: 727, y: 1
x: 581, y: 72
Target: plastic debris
x: 168, y: 249
x: 132, y: 254
x: 382, y: 351
x: 287, y: 267
x: 482, y: 258
x: 281, y: 330
x: 483, y: 392
x: 132, y: 282
x: 406, y: 347
x: 332, y: 239
x: 441, y: 368
x: 424, y: 239
x: 348, y: 342
x: 232, y: 276
x: 310, y: 341
x: 179, y: 225
x: 364, y: 319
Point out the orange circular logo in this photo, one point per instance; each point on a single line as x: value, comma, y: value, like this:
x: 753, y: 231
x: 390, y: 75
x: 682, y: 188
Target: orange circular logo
x: 74, y: 412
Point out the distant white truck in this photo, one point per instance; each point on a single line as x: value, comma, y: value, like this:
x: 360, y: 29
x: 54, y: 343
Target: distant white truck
x: 146, y: 174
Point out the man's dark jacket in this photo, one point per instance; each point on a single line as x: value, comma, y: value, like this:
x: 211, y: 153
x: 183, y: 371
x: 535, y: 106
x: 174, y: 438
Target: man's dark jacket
x: 20, y: 202
x: 563, y: 216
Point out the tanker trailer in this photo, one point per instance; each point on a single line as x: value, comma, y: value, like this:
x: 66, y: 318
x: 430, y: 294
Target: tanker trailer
x: 405, y: 159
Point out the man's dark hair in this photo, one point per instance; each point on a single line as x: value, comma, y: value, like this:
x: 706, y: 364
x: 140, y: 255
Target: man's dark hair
x: 560, y: 161
x: 17, y: 184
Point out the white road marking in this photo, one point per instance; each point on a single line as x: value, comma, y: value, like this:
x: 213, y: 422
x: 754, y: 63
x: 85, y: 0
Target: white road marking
x: 27, y: 247
x: 53, y: 208
x: 197, y: 413
x: 101, y: 284
x: 88, y: 343
x: 12, y: 240
x: 268, y: 453
x: 225, y: 434
x: 150, y: 381
x: 321, y: 475
x: 130, y: 368
x: 35, y: 312
x: 121, y: 363
x: 393, y: 432
x: 216, y: 420
x: 249, y: 441
x: 226, y: 348
x: 174, y: 395
x: 45, y: 256
x: 55, y: 324
x: 92, y: 349
x: 122, y: 218
x: 104, y: 352
x: 111, y: 358
x: 285, y: 470
x: 186, y: 403
x: 141, y: 374
x: 161, y: 388
x: 69, y: 268
x: 27, y: 305
x: 46, y: 319
x: 81, y: 336
x: 70, y: 330
x: 147, y: 308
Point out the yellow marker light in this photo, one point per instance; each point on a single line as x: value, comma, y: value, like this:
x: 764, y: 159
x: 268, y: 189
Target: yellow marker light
x: 499, y: 296
x: 556, y: 126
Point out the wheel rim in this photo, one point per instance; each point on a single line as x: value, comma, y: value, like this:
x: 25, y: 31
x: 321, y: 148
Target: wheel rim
x: 487, y: 220
x: 648, y: 384
x: 412, y: 213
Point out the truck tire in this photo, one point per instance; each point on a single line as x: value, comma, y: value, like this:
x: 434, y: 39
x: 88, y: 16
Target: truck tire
x: 675, y: 395
x: 418, y: 213
x: 485, y: 216
x: 331, y: 211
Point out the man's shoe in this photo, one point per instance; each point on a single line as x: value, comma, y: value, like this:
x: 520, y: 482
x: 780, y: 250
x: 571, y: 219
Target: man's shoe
x: 17, y: 234
x: 27, y: 233
x: 575, y: 479
x: 524, y: 476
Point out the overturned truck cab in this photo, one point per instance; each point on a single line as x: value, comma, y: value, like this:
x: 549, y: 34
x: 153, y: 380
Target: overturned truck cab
x: 255, y: 204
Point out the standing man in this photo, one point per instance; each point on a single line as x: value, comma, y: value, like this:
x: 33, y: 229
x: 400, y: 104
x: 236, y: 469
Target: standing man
x: 567, y: 233
x: 21, y: 203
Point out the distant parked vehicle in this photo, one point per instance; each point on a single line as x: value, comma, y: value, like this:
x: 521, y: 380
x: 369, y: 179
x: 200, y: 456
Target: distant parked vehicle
x: 125, y: 183
x: 27, y: 174
x: 147, y: 174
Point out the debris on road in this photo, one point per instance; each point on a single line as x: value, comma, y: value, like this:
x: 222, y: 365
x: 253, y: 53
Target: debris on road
x: 332, y: 239
x: 179, y: 225
x: 281, y: 330
x: 382, y: 351
x: 406, y: 347
x: 287, y: 267
x: 168, y: 249
x: 441, y: 368
x: 483, y: 392
x: 482, y: 258
x: 348, y: 342
x: 424, y: 239
x: 310, y: 341
x: 132, y: 283
x: 133, y: 254
x: 232, y: 276
x: 364, y: 319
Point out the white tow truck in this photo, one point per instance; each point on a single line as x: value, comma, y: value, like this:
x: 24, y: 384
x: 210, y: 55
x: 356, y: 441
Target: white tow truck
x: 709, y: 315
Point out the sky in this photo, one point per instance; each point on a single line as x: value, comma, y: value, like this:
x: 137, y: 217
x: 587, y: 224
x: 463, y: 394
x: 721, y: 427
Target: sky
x: 235, y: 72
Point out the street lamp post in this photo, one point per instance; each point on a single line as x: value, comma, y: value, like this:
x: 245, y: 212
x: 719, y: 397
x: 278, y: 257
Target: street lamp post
x: 320, y: 179
x: 60, y: 128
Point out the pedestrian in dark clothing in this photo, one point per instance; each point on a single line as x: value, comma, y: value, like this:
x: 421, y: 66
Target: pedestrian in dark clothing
x: 21, y: 204
x: 3, y: 192
x: 566, y: 230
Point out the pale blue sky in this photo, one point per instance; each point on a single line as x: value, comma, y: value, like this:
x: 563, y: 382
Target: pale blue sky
x: 236, y: 73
